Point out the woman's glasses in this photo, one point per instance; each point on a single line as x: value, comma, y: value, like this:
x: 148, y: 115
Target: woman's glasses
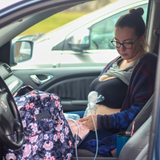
x: 127, y: 45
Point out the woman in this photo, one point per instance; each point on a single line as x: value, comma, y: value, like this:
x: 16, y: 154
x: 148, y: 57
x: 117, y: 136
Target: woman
x: 133, y: 71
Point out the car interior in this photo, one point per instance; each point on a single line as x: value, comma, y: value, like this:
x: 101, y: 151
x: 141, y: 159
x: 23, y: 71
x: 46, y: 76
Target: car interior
x: 71, y: 84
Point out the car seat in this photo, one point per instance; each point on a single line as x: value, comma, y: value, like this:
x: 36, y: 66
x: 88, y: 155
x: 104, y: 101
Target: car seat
x: 143, y: 115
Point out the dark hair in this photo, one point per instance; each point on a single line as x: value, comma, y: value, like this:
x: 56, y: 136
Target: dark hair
x: 133, y: 19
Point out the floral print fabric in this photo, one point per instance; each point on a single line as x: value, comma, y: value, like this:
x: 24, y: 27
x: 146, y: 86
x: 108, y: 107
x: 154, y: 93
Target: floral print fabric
x: 47, y: 135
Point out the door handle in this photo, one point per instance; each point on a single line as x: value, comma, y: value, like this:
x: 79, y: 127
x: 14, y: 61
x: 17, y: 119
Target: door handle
x: 36, y: 80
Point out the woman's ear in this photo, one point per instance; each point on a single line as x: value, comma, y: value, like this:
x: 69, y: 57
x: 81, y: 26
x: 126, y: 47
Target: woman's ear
x: 143, y: 37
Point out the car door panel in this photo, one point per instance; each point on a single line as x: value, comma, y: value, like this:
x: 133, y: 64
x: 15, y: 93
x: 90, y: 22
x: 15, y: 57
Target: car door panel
x: 71, y: 85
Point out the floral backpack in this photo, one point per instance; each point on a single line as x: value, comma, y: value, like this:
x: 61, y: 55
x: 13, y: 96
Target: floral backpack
x: 47, y: 135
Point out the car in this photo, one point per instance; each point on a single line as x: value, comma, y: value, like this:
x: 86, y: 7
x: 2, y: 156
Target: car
x: 69, y: 45
x: 70, y: 83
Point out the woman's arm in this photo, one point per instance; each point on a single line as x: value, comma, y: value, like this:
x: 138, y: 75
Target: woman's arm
x: 112, y: 121
x: 118, y: 120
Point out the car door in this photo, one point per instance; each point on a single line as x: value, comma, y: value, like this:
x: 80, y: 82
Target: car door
x: 70, y: 84
x: 98, y: 34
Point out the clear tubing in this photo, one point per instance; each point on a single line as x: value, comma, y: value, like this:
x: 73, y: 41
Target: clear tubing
x: 95, y: 133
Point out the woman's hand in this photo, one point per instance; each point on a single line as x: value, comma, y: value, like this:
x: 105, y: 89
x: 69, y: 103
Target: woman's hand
x: 88, y: 122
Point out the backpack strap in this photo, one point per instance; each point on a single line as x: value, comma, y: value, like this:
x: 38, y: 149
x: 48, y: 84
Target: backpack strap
x: 23, y: 90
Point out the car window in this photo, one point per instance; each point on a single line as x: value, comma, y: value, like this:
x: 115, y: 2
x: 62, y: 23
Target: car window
x: 82, y: 44
x: 100, y: 36
x: 103, y: 32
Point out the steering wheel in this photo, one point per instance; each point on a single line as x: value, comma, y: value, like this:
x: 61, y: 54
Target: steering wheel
x: 10, y: 121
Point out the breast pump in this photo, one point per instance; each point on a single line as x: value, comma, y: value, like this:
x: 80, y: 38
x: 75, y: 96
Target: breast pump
x: 93, y: 98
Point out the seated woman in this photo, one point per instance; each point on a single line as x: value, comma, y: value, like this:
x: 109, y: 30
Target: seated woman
x: 113, y: 87
x: 131, y: 75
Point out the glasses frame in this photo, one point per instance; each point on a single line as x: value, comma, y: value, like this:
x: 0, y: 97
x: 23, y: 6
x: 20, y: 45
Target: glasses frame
x: 124, y: 43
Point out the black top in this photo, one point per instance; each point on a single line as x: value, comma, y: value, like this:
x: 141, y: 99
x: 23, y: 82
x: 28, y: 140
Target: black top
x: 114, y: 91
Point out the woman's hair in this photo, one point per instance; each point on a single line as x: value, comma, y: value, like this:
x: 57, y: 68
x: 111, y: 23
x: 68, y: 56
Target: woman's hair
x: 133, y: 19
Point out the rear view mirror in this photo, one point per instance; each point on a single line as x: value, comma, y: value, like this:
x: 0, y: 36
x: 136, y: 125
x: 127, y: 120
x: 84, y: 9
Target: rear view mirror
x: 22, y: 51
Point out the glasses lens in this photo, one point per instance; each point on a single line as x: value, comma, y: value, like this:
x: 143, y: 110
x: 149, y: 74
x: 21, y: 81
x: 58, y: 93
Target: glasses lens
x: 127, y: 45
x: 115, y: 44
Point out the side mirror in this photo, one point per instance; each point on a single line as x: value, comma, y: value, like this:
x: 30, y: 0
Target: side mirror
x: 22, y: 51
x: 78, y: 47
x: 80, y: 40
